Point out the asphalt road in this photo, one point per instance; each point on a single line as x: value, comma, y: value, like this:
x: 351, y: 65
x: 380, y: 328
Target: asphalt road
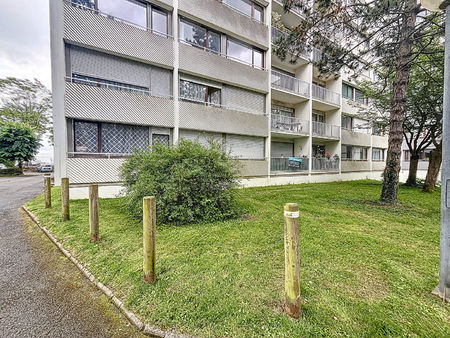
x: 41, y: 293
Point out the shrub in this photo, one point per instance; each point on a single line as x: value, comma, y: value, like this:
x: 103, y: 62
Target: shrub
x: 192, y: 183
x: 11, y: 172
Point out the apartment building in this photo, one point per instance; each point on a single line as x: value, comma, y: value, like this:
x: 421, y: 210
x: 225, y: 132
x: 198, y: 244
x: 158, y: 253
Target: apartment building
x: 131, y: 73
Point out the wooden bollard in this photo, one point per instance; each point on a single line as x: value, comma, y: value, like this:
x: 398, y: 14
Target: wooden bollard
x: 149, y: 232
x: 65, y: 199
x: 48, y: 192
x: 292, y: 260
x: 93, y: 212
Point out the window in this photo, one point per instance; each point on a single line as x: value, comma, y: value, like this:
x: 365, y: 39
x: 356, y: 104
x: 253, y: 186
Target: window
x: 159, y: 21
x: 354, y: 153
x: 354, y: 94
x: 160, y: 139
x: 317, y: 117
x: 377, y: 154
x: 195, y: 92
x: 407, y: 155
x: 248, y: 8
x: 245, y: 53
x: 199, y: 36
x: 96, y: 137
x: 92, y: 81
x: 347, y: 122
x: 347, y: 91
x: 284, y: 111
x: 132, y: 11
x: 245, y: 147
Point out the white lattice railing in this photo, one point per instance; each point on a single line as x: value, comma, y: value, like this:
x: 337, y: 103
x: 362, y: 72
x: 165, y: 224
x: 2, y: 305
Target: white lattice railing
x: 326, y: 95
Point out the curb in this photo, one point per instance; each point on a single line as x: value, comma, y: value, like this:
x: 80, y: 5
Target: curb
x: 145, y: 328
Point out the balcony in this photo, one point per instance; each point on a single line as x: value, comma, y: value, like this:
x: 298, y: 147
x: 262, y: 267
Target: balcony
x: 325, y: 99
x: 353, y: 165
x: 291, y: 18
x: 289, y: 89
x: 230, y: 20
x: 289, y: 125
x: 84, y: 26
x: 301, y: 50
x: 94, y: 103
x: 324, y: 130
x: 288, y: 165
x: 325, y: 164
x: 218, y: 66
x: 356, y: 137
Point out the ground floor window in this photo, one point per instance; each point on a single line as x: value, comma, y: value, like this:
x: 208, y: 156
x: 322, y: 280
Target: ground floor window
x: 354, y: 153
x: 160, y: 139
x: 377, y: 154
x: 114, y: 138
x: 423, y: 155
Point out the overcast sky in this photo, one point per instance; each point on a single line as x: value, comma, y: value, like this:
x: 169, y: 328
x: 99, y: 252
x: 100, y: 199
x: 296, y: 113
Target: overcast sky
x: 25, y: 45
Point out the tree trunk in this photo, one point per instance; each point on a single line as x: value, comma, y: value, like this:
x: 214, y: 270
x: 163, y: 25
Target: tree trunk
x: 434, y: 166
x: 392, y: 170
x: 412, y: 176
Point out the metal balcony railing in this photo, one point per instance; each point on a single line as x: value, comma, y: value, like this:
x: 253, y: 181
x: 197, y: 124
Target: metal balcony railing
x: 324, y: 129
x: 289, y: 124
x: 290, y: 83
x: 325, y: 164
x: 300, y: 48
x: 326, y: 95
x: 288, y: 164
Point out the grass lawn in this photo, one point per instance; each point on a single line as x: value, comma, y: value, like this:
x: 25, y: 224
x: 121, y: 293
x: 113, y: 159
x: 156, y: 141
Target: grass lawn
x: 366, y: 269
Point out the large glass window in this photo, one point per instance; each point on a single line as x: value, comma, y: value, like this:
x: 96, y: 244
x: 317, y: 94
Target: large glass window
x: 248, y: 8
x: 199, y: 36
x: 347, y: 122
x: 377, y: 154
x: 195, y: 92
x: 354, y: 153
x: 96, y: 137
x: 347, y: 91
x: 244, y: 53
x: 159, y: 21
x: 130, y: 10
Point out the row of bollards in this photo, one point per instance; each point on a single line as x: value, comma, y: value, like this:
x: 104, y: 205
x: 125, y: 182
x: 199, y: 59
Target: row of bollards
x: 291, y: 238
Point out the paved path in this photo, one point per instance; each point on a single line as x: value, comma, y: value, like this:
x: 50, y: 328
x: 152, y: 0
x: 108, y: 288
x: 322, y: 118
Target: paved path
x: 41, y: 293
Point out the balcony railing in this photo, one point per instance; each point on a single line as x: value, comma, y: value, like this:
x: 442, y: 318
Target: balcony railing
x: 289, y: 124
x: 290, y: 83
x: 90, y: 7
x: 317, y: 55
x: 301, y: 48
x: 326, y: 95
x: 325, y: 164
x: 324, y: 129
x: 288, y: 164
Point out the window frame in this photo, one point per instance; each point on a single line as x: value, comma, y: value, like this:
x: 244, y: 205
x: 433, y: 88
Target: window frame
x: 166, y: 13
x: 207, y: 92
x: 246, y: 45
x: 207, y: 32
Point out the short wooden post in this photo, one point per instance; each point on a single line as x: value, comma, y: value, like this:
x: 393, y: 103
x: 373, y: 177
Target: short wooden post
x: 149, y: 227
x: 65, y: 199
x: 48, y: 192
x: 93, y: 212
x: 292, y: 260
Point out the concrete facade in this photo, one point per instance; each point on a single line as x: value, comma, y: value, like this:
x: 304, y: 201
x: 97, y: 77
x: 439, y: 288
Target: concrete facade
x: 108, y: 70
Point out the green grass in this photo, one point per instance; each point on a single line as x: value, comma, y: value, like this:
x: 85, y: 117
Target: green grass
x: 366, y: 269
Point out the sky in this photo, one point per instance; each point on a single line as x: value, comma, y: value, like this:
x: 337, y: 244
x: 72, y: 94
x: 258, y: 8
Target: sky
x: 25, y: 46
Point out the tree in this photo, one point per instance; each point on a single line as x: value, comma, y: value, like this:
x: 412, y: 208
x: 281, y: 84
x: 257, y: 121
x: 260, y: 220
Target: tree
x: 28, y: 102
x: 18, y: 143
x: 379, y: 33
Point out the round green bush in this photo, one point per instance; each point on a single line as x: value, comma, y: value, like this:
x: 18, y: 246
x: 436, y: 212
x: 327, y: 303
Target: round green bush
x: 192, y: 183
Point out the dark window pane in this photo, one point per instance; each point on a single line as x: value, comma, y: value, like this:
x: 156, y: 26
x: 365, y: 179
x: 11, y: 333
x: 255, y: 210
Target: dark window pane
x: 84, y: 4
x: 239, y: 52
x: 129, y: 10
x: 160, y: 139
x: 92, y: 81
x: 192, y: 33
x: 86, y: 137
x: 214, y: 96
x: 159, y: 21
x: 214, y: 41
x: 258, y: 13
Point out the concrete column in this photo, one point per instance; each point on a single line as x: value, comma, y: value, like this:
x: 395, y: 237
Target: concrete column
x: 176, y: 132
x: 268, y: 20
x: 443, y: 288
x: 58, y: 88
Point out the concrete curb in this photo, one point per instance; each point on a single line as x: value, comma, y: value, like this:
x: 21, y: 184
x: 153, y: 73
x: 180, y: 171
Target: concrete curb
x: 145, y: 328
